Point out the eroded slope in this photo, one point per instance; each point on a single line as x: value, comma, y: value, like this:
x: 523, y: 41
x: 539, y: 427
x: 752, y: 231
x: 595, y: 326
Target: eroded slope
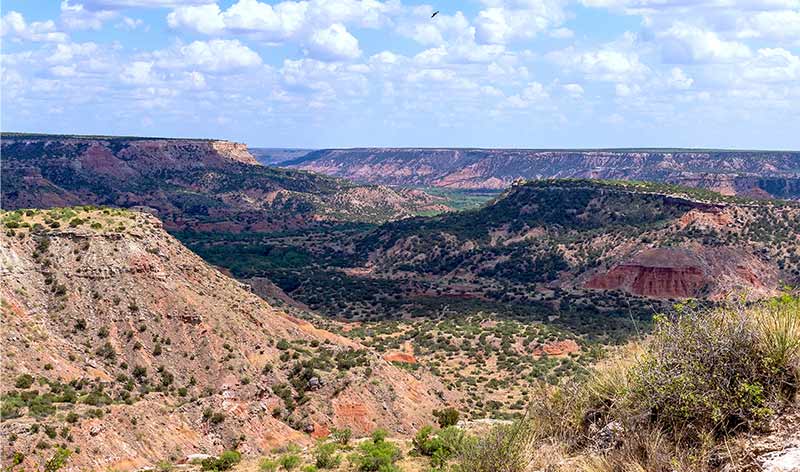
x: 138, y: 351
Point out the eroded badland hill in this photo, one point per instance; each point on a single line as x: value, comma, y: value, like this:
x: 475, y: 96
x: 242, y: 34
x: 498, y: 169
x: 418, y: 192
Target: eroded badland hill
x: 125, y: 346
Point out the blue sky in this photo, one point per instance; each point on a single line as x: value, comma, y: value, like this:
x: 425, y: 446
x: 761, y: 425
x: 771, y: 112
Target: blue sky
x: 342, y: 73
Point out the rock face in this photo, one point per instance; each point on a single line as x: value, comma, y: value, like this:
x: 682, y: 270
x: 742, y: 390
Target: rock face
x: 688, y: 272
x: 558, y: 348
x: 751, y: 173
x: 661, y: 273
x: 201, y: 185
x: 159, y: 355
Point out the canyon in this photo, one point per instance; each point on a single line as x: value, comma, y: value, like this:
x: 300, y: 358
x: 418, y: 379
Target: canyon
x: 759, y: 174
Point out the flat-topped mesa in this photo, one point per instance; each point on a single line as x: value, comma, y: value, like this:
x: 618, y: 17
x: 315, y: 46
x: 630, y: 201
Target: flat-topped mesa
x: 234, y: 151
x: 198, y: 184
x: 140, y: 154
x: 750, y: 173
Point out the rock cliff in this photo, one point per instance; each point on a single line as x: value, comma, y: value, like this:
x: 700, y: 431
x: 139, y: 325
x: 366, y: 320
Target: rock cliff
x: 752, y: 173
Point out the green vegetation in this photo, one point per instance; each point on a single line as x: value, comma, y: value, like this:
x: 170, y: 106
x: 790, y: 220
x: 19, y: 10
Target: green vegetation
x: 460, y: 200
x: 225, y: 461
x: 441, y: 446
x: 342, y: 436
x: 58, y: 460
x: 326, y: 457
x: 289, y: 461
x: 377, y: 455
x: 506, y: 448
x: 705, y: 376
x: 446, y: 417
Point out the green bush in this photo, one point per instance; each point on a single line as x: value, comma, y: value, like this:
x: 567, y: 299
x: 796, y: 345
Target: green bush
x: 289, y: 461
x: 342, y: 436
x: 440, y: 447
x: 225, y: 461
x: 719, y: 371
x: 58, y: 460
x: 325, y: 456
x: 446, y: 417
x: 267, y: 465
x: 377, y: 455
x: 24, y: 381
x: 506, y: 448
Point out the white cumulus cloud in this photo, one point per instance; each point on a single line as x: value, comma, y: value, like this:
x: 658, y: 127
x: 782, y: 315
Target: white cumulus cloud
x: 334, y: 42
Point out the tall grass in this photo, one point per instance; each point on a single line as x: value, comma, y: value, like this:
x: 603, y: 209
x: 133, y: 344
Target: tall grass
x: 778, y: 325
x: 702, y: 377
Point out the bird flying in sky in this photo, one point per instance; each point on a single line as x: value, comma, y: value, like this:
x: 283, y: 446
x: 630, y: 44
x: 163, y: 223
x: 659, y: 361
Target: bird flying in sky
x: 435, y: 13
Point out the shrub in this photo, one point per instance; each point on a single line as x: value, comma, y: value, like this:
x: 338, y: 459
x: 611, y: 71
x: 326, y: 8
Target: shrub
x: 289, y: 461
x: 446, y: 417
x: 718, y: 371
x: 267, y: 465
x: 58, y: 460
x: 107, y: 351
x: 325, y: 456
x: 376, y: 455
x: 24, y: 381
x: 703, y: 375
x: 225, y: 461
x: 778, y: 324
x: 440, y: 447
x: 342, y: 436
x: 506, y: 448
x: 164, y: 466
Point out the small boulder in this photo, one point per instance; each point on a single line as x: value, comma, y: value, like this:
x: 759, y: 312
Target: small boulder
x: 787, y: 460
x: 609, y: 436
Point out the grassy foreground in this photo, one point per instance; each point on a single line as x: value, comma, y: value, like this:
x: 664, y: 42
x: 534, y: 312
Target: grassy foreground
x: 671, y: 404
x: 679, y: 402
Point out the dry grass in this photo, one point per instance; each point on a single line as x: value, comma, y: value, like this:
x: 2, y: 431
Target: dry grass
x: 704, y: 376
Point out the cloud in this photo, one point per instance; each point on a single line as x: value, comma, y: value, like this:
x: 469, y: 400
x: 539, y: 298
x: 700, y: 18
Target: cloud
x: 679, y: 80
x: 533, y: 93
x: 318, y: 26
x: 138, y: 73
x: 217, y: 55
x: 615, y: 62
x: 206, y: 19
x: 121, y: 4
x: 575, y: 90
x: 771, y: 65
x: 687, y: 44
x: 131, y: 24
x: 78, y: 17
x: 506, y: 21
x: 69, y: 52
x: 13, y: 24
x: 335, y: 43
x: 444, y: 29
x: 626, y: 90
x: 776, y: 25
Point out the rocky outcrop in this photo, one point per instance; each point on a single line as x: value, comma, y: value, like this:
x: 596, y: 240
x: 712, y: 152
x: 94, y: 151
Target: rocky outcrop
x: 648, y: 281
x: 686, y: 273
x: 558, y: 348
x: 749, y: 173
